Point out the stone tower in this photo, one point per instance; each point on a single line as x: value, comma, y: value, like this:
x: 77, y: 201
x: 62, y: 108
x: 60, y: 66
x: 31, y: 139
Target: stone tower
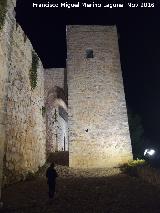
x: 98, y: 123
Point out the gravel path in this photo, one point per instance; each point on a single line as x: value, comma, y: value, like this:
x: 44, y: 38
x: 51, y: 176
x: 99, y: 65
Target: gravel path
x: 83, y: 191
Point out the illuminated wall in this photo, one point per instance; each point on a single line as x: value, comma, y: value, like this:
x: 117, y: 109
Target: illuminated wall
x: 56, y: 110
x: 22, y: 128
x: 98, y: 123
x: 5, y: 40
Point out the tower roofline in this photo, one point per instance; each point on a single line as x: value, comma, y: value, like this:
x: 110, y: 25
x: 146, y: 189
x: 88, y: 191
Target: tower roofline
x: 93, y: 28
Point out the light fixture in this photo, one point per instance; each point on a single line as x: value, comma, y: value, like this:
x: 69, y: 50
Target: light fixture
x: 149, y: 152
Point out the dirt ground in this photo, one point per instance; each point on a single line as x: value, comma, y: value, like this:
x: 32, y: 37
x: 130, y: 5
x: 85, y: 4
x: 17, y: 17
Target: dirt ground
x: 83, y: 191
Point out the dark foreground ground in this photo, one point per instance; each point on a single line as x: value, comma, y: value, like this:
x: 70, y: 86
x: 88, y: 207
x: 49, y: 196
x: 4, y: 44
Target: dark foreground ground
x: 87, y: 191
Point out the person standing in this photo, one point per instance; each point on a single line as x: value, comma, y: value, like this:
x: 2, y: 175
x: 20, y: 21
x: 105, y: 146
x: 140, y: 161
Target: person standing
x: 51, y: 176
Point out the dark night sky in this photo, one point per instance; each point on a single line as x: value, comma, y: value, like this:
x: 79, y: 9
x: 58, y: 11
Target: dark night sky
x: 139, y: 30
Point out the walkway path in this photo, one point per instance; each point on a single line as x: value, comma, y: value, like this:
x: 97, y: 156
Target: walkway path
x: 84, y: 191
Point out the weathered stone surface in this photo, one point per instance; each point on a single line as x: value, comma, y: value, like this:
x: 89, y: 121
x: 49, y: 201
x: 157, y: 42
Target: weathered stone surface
x: 4, y: 72
x: 22, y: 127
x: 55, y: 99
x: 98, y: 124
x: 53, y: 77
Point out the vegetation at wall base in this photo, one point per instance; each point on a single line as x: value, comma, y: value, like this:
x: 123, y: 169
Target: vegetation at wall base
x: 30, y: 176
x: 33, y: 70
x: 3, y: 10
x: 132, y: 166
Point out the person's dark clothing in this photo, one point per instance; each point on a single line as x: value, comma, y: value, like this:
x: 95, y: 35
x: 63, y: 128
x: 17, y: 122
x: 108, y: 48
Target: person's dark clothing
x: 51, y: 175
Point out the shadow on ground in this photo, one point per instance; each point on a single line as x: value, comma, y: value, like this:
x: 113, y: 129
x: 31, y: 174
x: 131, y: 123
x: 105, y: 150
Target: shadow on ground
x: 82, y: 191
x: 114, y: 194
x: 60, y: 158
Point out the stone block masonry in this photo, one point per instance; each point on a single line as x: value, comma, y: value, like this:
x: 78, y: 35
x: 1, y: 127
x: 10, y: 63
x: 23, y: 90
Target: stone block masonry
x: 53, y: 77
x: 25, y: 132
x: 25, y: 129
x: 56, y: 109
x: 5, y: 40
x: 98, y: 124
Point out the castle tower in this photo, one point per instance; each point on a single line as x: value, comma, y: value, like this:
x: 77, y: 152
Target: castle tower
x: 98, y: 123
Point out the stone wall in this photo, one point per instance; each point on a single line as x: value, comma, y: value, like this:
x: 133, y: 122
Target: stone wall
x: 25, y: 132
x: 5, y: 47
x: 62, y: 132
x: 55, y: 99
x: 98, y: 124
x: 53, y: 77
x: 57, y: 131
